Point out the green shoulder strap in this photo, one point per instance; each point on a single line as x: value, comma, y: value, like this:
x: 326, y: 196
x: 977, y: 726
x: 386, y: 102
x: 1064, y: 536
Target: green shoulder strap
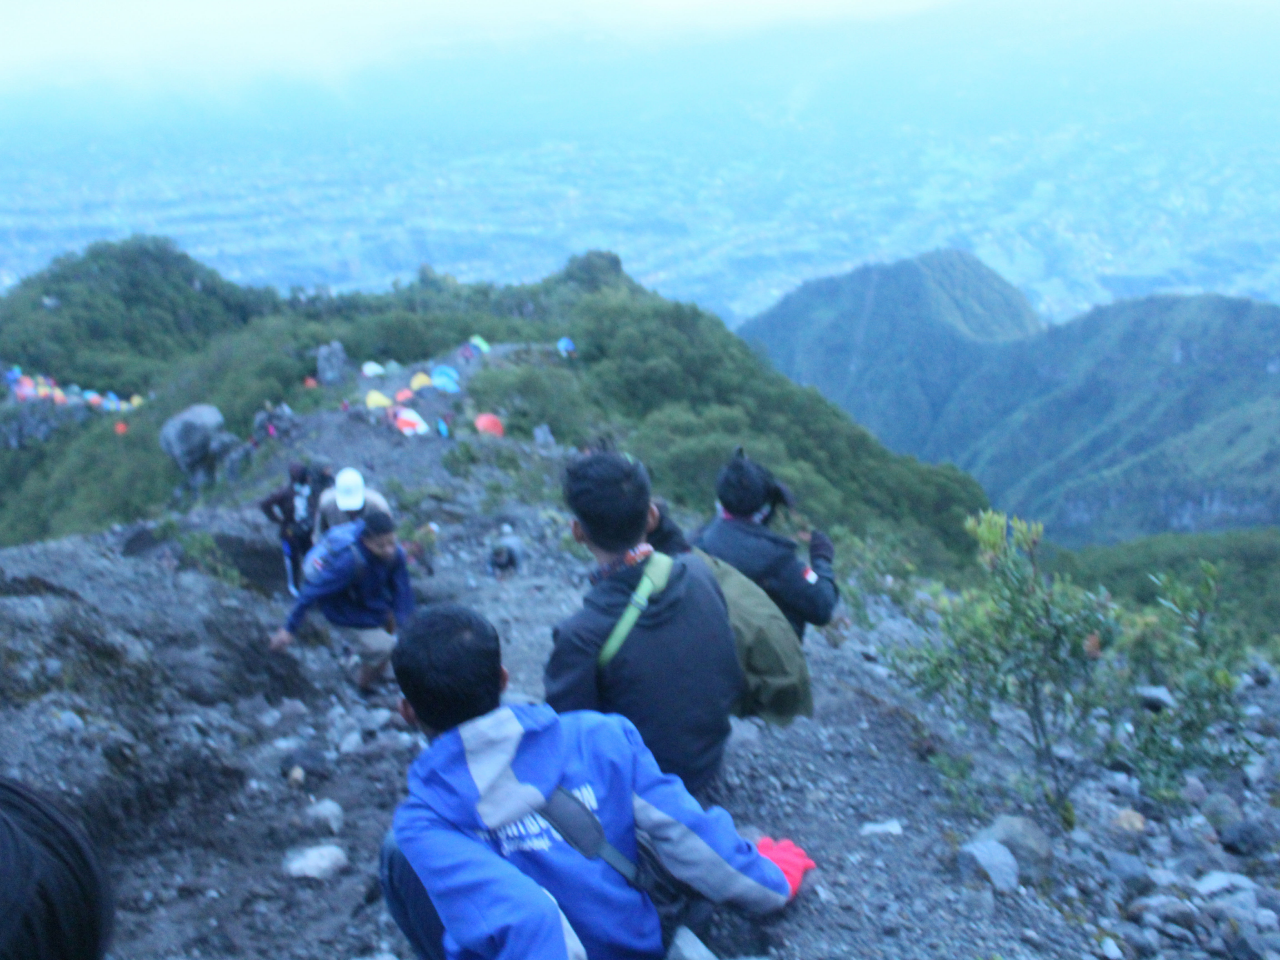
x: 657, y: 571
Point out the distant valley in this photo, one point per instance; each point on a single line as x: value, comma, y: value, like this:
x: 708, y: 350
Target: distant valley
x: 1144, y: 416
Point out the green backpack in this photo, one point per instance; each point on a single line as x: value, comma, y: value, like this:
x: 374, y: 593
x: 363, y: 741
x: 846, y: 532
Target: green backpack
x: 768, y: 649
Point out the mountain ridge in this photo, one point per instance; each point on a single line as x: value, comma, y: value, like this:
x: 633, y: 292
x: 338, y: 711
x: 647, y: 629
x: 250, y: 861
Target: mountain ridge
x: 1136, y: 418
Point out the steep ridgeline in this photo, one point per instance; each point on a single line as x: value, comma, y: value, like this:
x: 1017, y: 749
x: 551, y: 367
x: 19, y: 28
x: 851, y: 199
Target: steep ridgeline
x: 891, y: 343
x: 1141, y: 417
x: 665, y: 380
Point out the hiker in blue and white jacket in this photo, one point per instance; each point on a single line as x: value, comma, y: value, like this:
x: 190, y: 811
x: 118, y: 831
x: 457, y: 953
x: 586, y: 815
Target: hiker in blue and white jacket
x: 472, y: 870
x: 358, y: 576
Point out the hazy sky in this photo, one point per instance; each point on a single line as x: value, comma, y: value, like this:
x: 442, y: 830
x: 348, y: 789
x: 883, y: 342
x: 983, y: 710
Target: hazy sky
x: 67, y: 42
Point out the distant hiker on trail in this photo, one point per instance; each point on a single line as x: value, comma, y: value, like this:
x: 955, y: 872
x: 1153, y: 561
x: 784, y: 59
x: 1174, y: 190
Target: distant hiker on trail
x: 652, y: 641
x: 55, y: 898
x: 748, y: 495
x: 293, y: 509
x: 521, y: 826
x: 349, y: 499
x: 358, y: 576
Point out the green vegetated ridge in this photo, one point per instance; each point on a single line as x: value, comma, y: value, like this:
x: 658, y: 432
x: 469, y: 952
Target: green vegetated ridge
x: 665, y: 380
x: 1139, y: 418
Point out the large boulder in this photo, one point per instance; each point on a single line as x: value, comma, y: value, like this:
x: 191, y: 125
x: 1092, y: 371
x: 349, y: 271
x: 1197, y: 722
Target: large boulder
x: 196, y: 441
x: 331, y: 363
x: 1029, y: 845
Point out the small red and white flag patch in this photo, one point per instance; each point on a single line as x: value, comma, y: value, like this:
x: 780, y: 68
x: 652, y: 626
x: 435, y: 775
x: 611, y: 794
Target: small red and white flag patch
x: 809, y: 575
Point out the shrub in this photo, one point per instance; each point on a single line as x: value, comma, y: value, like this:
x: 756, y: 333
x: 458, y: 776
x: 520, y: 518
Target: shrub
x: 528, y: 396
x: 1028, y: 643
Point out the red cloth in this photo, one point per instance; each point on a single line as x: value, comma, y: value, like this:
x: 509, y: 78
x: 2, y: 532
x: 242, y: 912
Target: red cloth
x: 790, y: 859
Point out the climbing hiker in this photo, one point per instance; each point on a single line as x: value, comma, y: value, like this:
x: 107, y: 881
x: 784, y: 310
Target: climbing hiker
x: 652, y: 640
x: 506, y: 554
x: 747, y: 499
x: 773, y: 662
x: 293, y: 509
x: 348, y: 499
x: 522, y: 829
x: 358, y: 577
x: 55, y: 899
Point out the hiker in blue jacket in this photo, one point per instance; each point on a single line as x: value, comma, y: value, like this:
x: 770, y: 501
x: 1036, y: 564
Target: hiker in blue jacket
x: 358, y: 577
x: 472, y: 869
x: 676, y: 674
x: 747, y: 497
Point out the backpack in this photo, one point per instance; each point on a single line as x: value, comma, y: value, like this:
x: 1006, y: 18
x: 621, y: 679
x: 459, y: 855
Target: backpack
x: 770, y: 653
x: 341, y: 538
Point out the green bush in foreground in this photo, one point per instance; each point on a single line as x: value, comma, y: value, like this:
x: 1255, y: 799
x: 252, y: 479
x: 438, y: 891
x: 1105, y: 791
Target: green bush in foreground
x: 1062, y: 667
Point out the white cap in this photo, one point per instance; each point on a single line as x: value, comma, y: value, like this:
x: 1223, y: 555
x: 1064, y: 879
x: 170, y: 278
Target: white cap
x: 348, y: 489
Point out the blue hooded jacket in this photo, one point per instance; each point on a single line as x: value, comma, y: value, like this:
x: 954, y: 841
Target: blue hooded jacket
x: 354, y: 591
x: 504, y: 882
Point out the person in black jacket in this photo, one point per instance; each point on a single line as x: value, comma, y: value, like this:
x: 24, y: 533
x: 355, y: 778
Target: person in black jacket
x: 748, y: 495
x: 676, y: 677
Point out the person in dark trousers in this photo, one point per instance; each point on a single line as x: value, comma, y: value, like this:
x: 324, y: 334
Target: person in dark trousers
x: 747, y: 498
x: 360, y: 581
x: 293, y: 509
x: 55, y: 899
x: 676, y: 675
x: 473, y: 869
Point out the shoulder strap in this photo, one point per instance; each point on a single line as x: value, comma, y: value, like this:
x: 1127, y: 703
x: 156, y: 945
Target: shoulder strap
x: 582, y: 830
x: 657, y: 571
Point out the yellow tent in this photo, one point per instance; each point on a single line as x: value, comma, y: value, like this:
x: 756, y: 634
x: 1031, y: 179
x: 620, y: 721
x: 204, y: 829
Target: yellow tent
x: 376, y: 400
x: 419, y: 381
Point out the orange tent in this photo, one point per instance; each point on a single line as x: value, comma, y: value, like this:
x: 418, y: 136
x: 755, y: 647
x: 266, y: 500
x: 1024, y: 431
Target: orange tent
x: 490, y: 424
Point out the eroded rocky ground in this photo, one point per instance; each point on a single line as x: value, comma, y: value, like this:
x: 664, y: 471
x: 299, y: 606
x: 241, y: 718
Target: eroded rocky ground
x: 142, y: 692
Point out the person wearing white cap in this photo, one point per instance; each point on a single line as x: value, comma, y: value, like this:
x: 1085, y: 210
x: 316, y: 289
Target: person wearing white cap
x: 348, y: 499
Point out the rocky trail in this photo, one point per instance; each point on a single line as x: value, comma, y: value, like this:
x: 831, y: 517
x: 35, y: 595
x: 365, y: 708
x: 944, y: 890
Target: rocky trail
x: 241, y: 796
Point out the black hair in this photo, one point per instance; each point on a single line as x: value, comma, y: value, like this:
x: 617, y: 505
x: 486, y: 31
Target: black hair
x: 745, y: 487
x: 55, y: 901
x: 448, y: 662
x: 609, y: 494
x: 377, y: 524
x: 667, y: 537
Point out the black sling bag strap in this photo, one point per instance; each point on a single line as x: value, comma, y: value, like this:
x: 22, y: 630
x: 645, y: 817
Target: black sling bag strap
x: 583, y: 831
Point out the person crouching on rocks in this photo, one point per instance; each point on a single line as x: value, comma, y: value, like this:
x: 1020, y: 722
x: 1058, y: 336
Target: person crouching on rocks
x: 748, y: 496
x: 358, y: 577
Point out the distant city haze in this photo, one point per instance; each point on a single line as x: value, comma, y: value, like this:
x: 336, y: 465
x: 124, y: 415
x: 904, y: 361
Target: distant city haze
x: 727, y: 151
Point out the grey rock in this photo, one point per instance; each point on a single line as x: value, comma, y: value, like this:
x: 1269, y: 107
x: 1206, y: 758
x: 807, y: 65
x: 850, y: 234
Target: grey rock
x: 327, y: 813
x: 1029, y: 845
x: 1269, y: 899
x: 316, y: 863
x: 1220, y: 881
x: 685, y: 945
x: 1245, y: 945
x: 1110, y: 949
x: 1131, y: 875
x: 1142, y: 941
x: 989, y: 860
x: 1194, y: 792
x: 1221, y: 811
x: 543, y: 438
x: 331, y: 363
x: 1248, y: 838
x: 197, y: 443
x: 1155, y: 699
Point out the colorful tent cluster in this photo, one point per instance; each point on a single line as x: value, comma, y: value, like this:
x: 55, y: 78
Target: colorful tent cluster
x: 25, y: 389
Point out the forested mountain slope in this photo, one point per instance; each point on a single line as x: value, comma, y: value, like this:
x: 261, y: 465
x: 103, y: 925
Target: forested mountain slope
x: 1140, y: 417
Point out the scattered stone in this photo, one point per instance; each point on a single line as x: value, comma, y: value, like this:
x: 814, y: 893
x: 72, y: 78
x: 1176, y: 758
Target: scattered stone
x: 326, y: 812
x: 318, y: 863
x: 891, y: 828
x: 1131, y: 874
x: 1155, y: 699
x: 1029, y: 845
x: 297, y: 777
x: 1142, y: 941
x: 1221, y: 811
x: 312, y: 761
x: 989, y: 860
x: 65, y: 721
x: 1110, y: 949
x: 1220, y: 881
x: 1266, y: 920
x: 543, y: 438
x: 685, y: 945
x: 1130, y: 820
x: 1247, y: 838
x: 352, y: 742
x: 1194, y: 792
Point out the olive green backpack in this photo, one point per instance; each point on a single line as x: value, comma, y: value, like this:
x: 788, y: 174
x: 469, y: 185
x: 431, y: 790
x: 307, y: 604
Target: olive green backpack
x: 768, y: 649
